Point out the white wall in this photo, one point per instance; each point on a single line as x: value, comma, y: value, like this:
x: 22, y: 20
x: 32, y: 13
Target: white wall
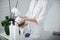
x: 4, y: 10
x: 52, y: 22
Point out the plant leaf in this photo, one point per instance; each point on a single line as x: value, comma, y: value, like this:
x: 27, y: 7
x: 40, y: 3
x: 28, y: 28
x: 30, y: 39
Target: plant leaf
x: 6, y: 28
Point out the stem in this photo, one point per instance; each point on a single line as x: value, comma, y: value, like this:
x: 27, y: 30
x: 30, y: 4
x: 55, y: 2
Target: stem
x: 10, y: 9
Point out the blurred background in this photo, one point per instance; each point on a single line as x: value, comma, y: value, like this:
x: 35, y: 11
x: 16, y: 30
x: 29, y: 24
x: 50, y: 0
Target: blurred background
x: 51, y: 24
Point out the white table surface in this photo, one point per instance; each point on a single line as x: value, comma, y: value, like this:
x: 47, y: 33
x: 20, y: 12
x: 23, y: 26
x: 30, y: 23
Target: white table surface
x: 7, y: 37
x: 4, y: 35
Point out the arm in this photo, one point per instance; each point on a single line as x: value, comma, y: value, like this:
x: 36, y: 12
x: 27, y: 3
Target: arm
x: 42, y: 15
x: 29, y: 19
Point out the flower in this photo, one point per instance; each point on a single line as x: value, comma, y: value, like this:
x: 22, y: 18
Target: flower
x: 16, y: 12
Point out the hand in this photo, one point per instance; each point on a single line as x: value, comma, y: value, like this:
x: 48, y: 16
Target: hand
x: 20, y: 21
x: 25, y: 18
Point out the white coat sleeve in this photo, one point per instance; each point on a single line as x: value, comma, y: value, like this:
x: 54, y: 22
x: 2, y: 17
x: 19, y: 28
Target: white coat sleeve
x: 30, y: 8
x: 43, y: 13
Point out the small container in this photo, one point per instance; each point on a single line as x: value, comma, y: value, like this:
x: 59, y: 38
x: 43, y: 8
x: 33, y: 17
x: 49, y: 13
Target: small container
x: 11, y: 31
x: 15, y: 32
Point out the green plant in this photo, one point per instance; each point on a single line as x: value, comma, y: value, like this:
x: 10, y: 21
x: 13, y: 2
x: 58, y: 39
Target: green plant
x: 5, y: 23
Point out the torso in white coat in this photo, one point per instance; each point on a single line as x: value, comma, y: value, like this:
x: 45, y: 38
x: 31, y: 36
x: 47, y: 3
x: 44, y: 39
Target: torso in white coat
x: 38, y: 11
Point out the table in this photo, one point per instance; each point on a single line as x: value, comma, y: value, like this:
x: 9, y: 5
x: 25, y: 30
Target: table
x: 3, y: 36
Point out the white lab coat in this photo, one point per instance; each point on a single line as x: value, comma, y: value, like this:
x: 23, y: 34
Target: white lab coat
x: 38, y: 11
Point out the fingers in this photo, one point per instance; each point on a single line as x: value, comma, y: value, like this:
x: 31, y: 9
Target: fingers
x: 16, y: 23
x: 22, y: 20
x: 19, y: 21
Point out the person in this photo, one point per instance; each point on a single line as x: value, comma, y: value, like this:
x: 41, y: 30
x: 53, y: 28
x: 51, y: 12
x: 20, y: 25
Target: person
x: 35, y: 18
